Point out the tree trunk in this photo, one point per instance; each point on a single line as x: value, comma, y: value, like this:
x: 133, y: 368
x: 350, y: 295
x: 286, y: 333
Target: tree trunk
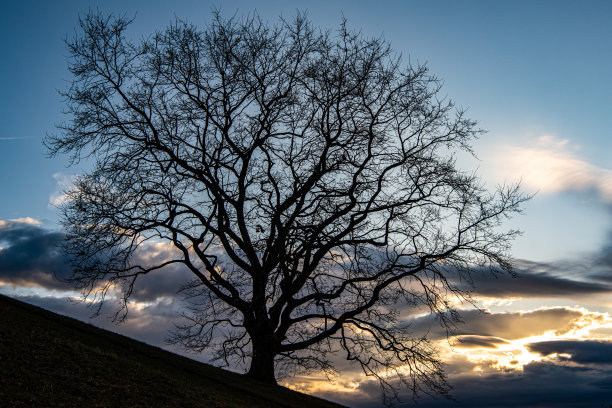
x: 262, y: 363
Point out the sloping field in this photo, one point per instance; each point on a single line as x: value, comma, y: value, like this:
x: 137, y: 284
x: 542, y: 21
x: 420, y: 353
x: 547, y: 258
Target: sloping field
x: 48, y: 360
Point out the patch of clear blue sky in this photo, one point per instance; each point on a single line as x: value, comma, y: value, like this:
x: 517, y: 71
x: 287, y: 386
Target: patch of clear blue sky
x: 521, y: 67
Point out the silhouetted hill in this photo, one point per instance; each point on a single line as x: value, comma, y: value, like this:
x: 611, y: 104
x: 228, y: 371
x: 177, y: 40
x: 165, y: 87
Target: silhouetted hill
x: 49, y: 360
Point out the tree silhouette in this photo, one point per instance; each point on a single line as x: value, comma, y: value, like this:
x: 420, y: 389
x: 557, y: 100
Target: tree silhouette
x: 306, y: 178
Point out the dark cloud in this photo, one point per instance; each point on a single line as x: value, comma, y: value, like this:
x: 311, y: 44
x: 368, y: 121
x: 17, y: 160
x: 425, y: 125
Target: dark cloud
x: 537, y: 285
x: 31, y: 256
x: 166, y: 282
x: 604, y: 382
x: 471, y: 341
x: 581, y: 351
x: 540, y: 280
x: 591, y: 274
x: 540, y: 384
x: 605, y: 255
x: 602, y: 269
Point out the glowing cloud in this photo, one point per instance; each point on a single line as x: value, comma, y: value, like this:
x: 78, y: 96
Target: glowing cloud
x: 550, y: 166
x: 523, y: 338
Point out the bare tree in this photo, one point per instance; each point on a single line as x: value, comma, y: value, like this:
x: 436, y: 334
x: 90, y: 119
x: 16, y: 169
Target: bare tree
x: 306, y: 178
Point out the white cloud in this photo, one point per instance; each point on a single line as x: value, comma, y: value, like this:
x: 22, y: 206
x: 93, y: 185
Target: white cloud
x: 25, y: 220
x: 63, y: 183
x: 550, y: 165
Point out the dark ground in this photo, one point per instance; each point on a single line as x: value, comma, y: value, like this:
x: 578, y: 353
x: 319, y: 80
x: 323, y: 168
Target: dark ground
x: 48, y: 360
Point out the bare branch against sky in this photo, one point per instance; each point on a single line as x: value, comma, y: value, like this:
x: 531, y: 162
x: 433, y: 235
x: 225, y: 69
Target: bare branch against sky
x: 305, y: 177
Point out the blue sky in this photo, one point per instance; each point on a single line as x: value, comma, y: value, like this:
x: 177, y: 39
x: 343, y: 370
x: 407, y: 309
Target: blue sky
x: 523, y: 69
x: 535, y: 74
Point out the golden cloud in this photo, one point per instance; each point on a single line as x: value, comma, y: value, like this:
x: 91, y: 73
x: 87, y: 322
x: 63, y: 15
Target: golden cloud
x: 505, y: 341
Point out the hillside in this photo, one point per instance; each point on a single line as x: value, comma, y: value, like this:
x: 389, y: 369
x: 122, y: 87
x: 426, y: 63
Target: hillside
x: 52, y: 360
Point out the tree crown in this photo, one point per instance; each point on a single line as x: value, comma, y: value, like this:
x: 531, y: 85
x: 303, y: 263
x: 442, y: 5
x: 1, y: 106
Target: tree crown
x: 306, y: 178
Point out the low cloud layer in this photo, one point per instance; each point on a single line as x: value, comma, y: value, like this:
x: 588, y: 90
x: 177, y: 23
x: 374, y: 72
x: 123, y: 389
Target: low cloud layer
x: 31, y: 256
x: 492, y: 363
x: 578, y: 351
x: 513, y: 325
x: 541, y: 384
x: 538, y: 280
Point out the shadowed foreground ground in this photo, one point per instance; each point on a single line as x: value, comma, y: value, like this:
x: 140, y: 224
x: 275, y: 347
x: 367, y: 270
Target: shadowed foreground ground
x: 52, y: 360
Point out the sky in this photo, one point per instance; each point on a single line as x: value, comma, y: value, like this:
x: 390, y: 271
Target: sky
x: 535, y: 74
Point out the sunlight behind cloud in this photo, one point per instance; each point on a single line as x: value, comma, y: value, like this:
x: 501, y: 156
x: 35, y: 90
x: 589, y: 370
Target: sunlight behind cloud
x: 316, y: 385
x: 486, y: 353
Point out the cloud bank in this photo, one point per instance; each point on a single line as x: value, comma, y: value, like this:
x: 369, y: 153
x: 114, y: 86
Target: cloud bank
x: 497, y: 359
x: 579, y: 351
x: 31, y: 256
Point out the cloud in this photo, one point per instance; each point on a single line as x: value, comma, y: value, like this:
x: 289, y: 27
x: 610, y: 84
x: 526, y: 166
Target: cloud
x: 602, y: 265
x: 64, y: 183
x: 541, y: 280
x: 550, y: 166
x: 572, y: 278
x: 517, y: 325
x: 514, y: 325
x: 16, y: 221
x: 580, y: 351
x: 471, y: 341
x: 162, y: 283
x: 539, y: 384
x: 605, y: 256
x: 32, y: 256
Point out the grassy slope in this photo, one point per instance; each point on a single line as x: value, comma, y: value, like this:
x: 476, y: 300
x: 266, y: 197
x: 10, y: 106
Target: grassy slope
x: 52, y: 360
